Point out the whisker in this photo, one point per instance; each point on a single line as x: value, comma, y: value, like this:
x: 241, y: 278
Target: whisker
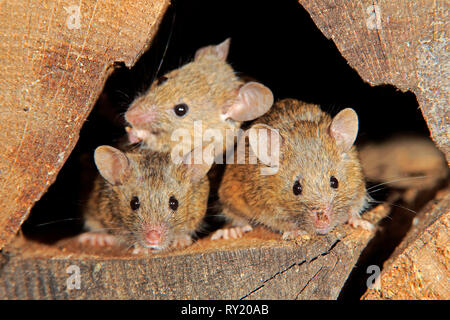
x: 167, y: 46
x: 56, y: 221
x: 397, y: 180
x: 130, y: 246
x: 376, y: 190
x: 106, y: 229
x: 395, y: 205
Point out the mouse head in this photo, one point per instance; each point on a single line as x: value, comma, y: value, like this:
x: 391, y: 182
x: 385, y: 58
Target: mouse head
x: 319, y: 174
x: 206, y: 91
x: 149, y: 195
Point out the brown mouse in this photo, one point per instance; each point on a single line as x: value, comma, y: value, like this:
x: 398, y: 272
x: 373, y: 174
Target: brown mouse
x: 205, y: 93
x: 318, y: 182
x: 144, y: 199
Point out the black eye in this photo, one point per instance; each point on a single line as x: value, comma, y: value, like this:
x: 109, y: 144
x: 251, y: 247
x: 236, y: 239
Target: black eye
x: 161, y: 80
x: 334, y: 182
x: 181, y: 109
x: 173, y: 203
x: 134, y: 203
x: 297, y: 189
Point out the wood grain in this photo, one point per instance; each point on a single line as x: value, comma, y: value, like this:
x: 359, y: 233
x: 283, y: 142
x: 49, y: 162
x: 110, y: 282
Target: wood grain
x: 420, y: 266
x: 408, y: 48
x: 53, y: 69
x: 259, y: 266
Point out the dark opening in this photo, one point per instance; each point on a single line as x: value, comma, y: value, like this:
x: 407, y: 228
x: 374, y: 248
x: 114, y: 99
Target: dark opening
x: 278, y: 44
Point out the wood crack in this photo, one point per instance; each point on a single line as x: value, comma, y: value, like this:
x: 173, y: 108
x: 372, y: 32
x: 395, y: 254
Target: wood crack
x: 333, y: 245
x: 271, y: 278
x: 378, y: 35
x: 307, y: 283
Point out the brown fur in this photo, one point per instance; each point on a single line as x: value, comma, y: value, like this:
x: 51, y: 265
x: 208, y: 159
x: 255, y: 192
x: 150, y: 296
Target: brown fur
x: 307, y: 153
x: 154, y: 178
x: 206, y: 85
x: 217, y: 101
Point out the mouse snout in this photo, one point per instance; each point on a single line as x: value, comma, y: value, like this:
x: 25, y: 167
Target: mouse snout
x: 322, y: 217
x: 137, y: 116
x: 153, y: 236
x: 322, y: 220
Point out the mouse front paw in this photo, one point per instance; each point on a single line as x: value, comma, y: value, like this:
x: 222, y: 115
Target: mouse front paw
x: 97, y: 239
x: 231, y: 233
x: 181, y: 241
x: 295, y: 234
x: 357, y: 222
x: 141, y: 250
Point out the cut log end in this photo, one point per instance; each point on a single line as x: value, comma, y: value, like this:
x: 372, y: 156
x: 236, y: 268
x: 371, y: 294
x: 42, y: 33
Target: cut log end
x: 258, y: 266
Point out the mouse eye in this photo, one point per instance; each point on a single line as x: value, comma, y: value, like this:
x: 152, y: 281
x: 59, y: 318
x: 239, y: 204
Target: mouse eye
x: 134, y: 203
x: 297, y: 188
x: 334, y: 183
x: 173, y: 203
x: 161, y: 80
x: 181, y: 109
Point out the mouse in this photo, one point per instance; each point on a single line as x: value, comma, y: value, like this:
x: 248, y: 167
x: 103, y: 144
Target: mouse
x: 317, y: 183
x: 145, y: 200
x: 203, y: 94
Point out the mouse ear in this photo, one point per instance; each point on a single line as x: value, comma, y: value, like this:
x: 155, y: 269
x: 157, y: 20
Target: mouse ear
x: 265, y: 142
x: 220, y: 51
x: 252, y: 101
x: 198, y: 162
x: 112, y: 164
x: 344, y: 129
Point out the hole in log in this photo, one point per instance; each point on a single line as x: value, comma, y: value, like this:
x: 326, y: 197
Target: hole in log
x: 280, y: 46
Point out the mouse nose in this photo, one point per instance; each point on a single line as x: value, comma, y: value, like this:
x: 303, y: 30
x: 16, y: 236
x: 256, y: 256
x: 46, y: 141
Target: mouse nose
x: 322, y: 217
x: 153, y: 237
x: 322, y: 220
x: 136, y: 116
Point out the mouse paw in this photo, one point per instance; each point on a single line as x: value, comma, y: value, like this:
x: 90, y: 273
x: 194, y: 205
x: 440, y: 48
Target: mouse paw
x: 132, y: 137
x: 357, y: 222
x: 181, y: 241
x: 96, y: 239
x: 138, y: 249
x: 295, y: 234
x: 231, y: 233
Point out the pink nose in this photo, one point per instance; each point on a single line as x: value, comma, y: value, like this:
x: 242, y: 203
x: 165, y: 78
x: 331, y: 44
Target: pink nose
x: 136, y: 116
x: 153, y: 237
x: 322, y: 219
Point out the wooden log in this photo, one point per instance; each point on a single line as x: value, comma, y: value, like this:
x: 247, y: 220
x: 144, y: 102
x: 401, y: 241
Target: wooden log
x: 259, y: 266
x: 420, y: 266
x: 54, y: 60
x: 403, y: 43
x: 53, y: 71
